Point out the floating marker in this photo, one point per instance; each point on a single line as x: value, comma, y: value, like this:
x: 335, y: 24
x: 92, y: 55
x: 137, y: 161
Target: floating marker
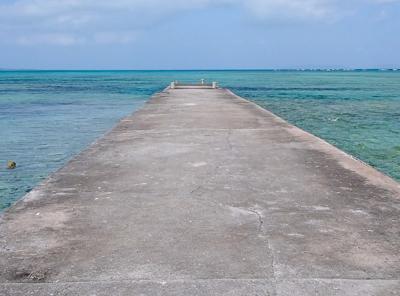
x: 11, y: 165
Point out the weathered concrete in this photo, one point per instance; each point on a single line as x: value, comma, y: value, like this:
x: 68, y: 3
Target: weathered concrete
x: 204, y: 193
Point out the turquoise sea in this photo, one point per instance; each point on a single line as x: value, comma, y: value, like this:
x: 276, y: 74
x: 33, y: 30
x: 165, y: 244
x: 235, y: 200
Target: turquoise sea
x: 48, y: 116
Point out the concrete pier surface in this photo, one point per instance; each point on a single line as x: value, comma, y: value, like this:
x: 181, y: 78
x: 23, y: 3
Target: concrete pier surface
x: 204, y: 193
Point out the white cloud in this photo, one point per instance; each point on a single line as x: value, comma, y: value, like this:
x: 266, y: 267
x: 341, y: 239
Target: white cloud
x: 55, y: 39
x: 69, y: 22
x: 114, y: 37
x: 291, y: 10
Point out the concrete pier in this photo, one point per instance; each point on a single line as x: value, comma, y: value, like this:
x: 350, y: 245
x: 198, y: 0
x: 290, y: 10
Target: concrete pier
x: 204, y: 193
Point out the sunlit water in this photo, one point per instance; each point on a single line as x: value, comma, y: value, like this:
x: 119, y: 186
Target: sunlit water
x: 47, y: 117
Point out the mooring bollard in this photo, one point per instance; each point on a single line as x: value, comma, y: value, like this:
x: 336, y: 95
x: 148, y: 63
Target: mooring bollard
x: 214, y: 84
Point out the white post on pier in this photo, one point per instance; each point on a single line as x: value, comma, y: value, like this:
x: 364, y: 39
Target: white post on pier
x: 202, y: 82
x: 214, y: 84
x: 172, y: 86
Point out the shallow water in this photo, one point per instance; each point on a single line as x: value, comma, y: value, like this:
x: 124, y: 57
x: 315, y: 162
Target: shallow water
x: 46, y: 117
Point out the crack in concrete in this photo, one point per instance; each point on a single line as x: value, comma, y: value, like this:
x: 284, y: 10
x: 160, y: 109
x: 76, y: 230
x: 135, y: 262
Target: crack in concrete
x: 228, y: 140
x: 273, y: 264
x: 194, y: 191
x: 254, y: 211
x: 198, y: 197
x: 270, y: 248
x: 260, y: 219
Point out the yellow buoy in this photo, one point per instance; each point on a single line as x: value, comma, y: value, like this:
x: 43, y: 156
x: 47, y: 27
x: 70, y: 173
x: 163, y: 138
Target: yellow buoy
x: 11, y: 165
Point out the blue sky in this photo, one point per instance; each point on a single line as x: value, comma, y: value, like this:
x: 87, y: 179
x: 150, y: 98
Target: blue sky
x: 199, y: 34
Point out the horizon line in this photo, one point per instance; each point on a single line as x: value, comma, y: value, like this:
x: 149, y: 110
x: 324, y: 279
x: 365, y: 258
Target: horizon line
x: 220, y: 69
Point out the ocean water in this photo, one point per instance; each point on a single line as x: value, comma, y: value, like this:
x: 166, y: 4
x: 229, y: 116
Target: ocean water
x: 46, y: 117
